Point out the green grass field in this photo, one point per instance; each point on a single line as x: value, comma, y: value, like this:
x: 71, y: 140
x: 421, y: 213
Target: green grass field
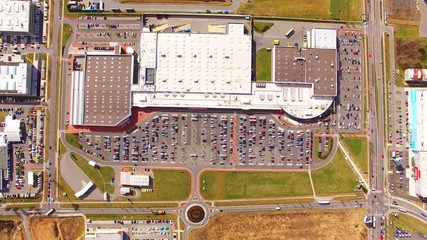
x: 358, y: 149
x: 239, y: 185
x: 100, y: 204
x: 73, y: 140
x: 169, y: 185
x: 262, y: 27
x: 66, y: 33
x: 406, y: 31
x: 101, y: 177
x: 265, y: 202
x: 263, y: 65
x: 405, y: 222
x: 346, y: 9
x: 336, y: 177
x: 322, y: 9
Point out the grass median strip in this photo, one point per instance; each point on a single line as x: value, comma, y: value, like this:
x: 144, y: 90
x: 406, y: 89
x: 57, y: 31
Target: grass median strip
x: 104, y: 217
x: 66, y: 33
x: 264, y: 202
x: 77, y: 205
x: 336, y: 177
x: 101, y: 176
x: 217, y: 185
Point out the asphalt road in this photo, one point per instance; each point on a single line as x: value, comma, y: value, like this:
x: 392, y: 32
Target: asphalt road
x: 153, y: 7
x: 379, y: 199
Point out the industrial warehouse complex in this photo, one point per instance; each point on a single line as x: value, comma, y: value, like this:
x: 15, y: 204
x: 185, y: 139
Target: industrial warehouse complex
x: 204, y: 70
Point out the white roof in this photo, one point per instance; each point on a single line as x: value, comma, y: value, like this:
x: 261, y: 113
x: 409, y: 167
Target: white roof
x: 124, y: 190
x: 421, y: 173
x: 296, y: 99
x: 77, y: 96
x: 417, y: 116
x: 12, y: 129
x: 84, y: 189
x: 324, y: 38
x: 15, y: 16
x: 130, y: 179
x: 15, y: 77
x: 213, y: 70
x: 191, y: 62
x: 3, y: 142
x: 30, y: 178
x: 148, y: 50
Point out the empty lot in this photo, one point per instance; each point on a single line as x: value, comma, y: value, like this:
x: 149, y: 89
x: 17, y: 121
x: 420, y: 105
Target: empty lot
x: 321, y: 9
x: 55, y: 228
x: 11, y: 229
x: 314, y: 224
x: 240, y: 185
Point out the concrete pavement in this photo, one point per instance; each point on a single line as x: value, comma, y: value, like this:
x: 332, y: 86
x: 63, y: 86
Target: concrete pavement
x: 76, y: 178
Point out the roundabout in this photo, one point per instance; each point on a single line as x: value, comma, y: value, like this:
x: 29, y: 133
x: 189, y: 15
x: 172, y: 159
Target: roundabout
x: 195, y: 214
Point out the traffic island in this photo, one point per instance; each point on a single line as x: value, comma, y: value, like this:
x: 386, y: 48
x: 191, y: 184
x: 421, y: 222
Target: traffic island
x: 195, y: 214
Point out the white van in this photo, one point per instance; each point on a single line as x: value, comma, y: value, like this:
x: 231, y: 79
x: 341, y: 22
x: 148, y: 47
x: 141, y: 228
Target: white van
x: 402, y: 210
x: 393, y: 154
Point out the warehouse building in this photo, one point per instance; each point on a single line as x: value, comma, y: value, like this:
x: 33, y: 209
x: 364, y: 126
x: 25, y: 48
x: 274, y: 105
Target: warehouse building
x: 15, y: 78
x: 16, y: 17
x: 12, y: 132
x: 417, y: 115
x: 101, y: 93
x: 134, y: 179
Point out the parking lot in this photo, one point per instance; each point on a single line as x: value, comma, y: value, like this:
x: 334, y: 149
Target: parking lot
x: 138, y: 229
x: 398, y: 137
x: 26, y: 155
x: 92, y: 30
x: 206, y: 138
x: 191, y: 24
x: 350, y: 99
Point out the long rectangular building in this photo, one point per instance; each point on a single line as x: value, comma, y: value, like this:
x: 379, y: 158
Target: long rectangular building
x: 417, y: 103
